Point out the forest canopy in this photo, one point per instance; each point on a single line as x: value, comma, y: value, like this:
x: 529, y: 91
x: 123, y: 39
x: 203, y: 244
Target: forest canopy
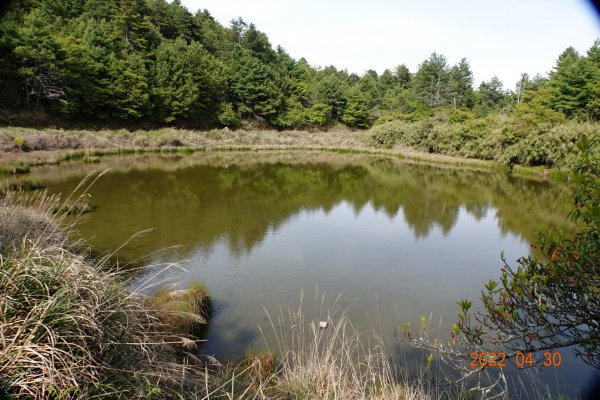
x: 153, y: 60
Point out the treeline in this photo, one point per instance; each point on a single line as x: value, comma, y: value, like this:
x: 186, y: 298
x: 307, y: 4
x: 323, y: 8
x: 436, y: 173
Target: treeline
x: 153, y: 60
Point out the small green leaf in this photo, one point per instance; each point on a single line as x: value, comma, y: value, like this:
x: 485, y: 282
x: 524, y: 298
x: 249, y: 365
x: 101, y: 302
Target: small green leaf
x: 465, y: 305
x: 456, y: 329
x: 491, y: 285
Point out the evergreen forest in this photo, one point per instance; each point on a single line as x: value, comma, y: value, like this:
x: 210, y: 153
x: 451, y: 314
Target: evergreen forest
x: 154, y: 60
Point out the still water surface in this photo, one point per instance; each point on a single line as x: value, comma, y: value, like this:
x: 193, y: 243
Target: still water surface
x: 397, y: 240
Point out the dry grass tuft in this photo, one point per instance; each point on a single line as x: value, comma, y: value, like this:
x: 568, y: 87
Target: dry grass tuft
x: 28, y: 216
x: 70, y: 328
x: 335, y: 363
x: 183, y: 311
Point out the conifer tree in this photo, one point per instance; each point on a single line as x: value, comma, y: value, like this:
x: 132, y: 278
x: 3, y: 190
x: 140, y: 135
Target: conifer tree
x: 461, y: 84
x: 253, y: 86
x: 430, y: 83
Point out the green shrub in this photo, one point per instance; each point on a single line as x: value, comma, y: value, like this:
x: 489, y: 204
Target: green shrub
x: 501, y: 137
x: 318, y: 114
x: 458, y: 115
x: 388, y: 134
x: 382, y: 119
x: 228, y: 117
x: 20, y: 143
x: 293, y: 117
x: 550, y: 302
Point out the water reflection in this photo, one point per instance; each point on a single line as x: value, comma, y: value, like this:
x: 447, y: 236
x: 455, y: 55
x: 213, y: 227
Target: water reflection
x: 195, y: 202
x: 398, y: 239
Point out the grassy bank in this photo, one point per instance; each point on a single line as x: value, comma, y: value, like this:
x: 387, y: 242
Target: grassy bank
x: 24, y: 148
x: 71, y: 328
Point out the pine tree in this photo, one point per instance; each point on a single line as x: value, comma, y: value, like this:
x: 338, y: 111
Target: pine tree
x: 593, y: 103
x: 130, y: 97
x: 403, y: 76
x: 356, y: 112
x: 330, y: 90
x: 387, y: 81
x: 214, y: 37
x: 461, y: 84
x: 490, y: 95
x: 253, y: 86
x: 571, y: 81
x: 173, y: 20
x: 258, y: 44
x: 369, y: 89
x: 173, y: 87
x: 430, y: 83
x: 37, y: 53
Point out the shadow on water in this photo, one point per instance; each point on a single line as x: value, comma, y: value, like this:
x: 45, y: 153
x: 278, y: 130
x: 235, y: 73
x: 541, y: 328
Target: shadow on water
x: 229, y: 331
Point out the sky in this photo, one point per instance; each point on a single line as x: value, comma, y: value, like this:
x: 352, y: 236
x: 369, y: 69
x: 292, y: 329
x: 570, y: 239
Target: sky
x: 501, y: 37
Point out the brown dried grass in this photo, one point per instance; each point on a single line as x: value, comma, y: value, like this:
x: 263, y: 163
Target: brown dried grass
x: 70, y: 327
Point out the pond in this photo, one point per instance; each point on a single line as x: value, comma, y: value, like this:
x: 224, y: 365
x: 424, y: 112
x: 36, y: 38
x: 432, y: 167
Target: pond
x: 394, y: 240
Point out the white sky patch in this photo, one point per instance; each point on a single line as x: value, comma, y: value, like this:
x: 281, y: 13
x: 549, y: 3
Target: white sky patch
x: 498, y: 37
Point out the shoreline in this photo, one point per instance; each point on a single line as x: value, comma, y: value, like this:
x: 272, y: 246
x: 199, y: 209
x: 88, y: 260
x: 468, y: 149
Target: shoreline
x: 261, y: 367
x: 55, y: 146
x: 78, y: 351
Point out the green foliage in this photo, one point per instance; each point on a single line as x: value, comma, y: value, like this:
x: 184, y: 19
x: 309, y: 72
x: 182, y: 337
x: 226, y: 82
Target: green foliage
x: 173, y: 20
x: 593, y: 104
x: 460, y: 84
x: 403, y: 76
x: 253, y: 86
x: 294, y: 115
x: 571, y: 83
x: 537, y: 110
x: 366, y: 91
x: 458, y: 115
x: 228, y: 117
x: 508, y: 140
x: 20, y: 143
x: 129, y: 89
x: 553, y: 301
x: 319, y: 114
x: 330, y: 90
x: 356, y: 112
x: 173, y: 87
x: 387, y: 81
x: 153, y: 60
x: 401, y: 132
x: 490, y: 96
x: 258, y: 44
x: 430, y: 83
